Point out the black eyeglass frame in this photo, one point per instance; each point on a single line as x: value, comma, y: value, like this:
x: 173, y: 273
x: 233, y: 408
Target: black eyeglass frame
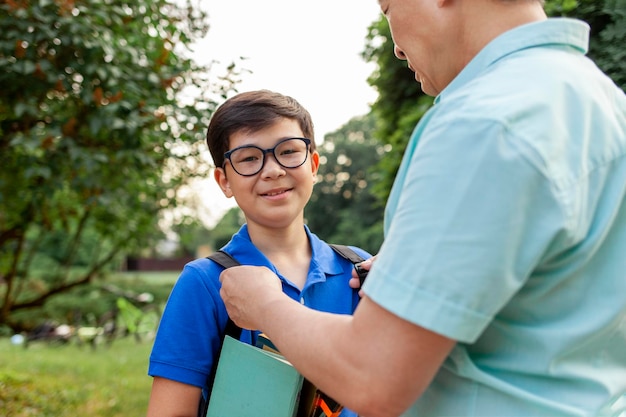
x: 227, y: 155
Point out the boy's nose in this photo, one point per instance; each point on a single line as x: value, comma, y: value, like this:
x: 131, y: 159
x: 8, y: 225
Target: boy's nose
x: 271, y: 167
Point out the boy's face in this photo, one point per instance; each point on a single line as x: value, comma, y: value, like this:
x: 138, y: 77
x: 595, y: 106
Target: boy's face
x: 274, y: 197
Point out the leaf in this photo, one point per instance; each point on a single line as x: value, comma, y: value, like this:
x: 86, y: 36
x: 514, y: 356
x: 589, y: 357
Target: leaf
x: 79, y: 130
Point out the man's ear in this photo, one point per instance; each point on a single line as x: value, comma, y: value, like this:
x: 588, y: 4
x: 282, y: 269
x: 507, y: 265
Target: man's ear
x: 220, y: 177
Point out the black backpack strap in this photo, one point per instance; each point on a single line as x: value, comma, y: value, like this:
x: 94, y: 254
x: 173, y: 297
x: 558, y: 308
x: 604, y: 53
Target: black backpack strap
x: 353, y: 257
x: 347, y: 253
x: 225, y: 260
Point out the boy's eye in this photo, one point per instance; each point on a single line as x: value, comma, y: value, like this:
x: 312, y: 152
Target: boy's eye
x: 247, y: 155
x: 291, y: 147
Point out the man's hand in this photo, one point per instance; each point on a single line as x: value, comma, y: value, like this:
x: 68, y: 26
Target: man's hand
x: 246, y: 290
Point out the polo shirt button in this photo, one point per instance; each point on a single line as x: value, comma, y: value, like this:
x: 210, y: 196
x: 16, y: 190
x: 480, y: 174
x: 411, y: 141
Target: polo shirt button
x: 302, y: 300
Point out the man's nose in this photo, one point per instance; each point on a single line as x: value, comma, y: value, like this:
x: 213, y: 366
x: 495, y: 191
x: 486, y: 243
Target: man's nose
x: 399, y: 53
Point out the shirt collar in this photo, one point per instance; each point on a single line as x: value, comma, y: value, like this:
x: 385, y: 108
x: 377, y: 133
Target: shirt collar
x: 553, y: 31
x: 322, y: 255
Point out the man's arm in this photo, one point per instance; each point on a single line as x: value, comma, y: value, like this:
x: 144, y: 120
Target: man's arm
x: 373, y: 362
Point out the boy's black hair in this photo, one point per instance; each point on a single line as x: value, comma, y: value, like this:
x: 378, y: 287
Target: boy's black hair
x: 252, y: 111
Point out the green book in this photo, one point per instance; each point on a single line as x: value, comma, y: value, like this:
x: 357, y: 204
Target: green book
x: 252, y: 382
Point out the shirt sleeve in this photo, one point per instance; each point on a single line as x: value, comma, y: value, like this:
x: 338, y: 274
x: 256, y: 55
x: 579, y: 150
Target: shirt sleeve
x: 471, y: 216
x: 188, y: 339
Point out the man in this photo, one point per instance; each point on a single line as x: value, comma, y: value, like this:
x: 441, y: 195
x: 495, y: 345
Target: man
x: 499, y: 289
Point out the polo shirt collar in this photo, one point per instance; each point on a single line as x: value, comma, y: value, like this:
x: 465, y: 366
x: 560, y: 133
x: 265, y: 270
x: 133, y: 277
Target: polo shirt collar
x: 322, y: 255
x: 553, y: 31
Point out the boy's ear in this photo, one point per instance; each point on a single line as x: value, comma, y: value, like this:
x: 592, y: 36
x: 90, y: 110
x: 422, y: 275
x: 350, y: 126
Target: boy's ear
x: 220, y: 177
x: 315, y: 163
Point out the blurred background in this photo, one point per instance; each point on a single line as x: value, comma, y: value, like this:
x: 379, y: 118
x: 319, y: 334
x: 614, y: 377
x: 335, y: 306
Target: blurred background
x: 106, y: 183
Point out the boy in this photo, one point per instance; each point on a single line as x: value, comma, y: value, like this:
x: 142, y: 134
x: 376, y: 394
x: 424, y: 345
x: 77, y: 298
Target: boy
x: 263, y: 148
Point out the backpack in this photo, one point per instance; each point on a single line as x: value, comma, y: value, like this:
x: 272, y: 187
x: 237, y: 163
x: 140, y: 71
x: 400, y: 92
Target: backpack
x: 225, y: 260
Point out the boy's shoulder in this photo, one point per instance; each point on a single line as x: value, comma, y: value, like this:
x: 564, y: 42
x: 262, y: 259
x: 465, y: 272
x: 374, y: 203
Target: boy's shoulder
x: 325, y: 248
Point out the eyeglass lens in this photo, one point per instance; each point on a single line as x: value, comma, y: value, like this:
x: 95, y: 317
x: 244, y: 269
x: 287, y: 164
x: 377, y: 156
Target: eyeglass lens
x: 249, y: 160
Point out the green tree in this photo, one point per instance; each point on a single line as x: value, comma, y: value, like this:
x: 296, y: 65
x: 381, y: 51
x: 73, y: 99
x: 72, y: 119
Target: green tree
x: 342, y: 208
x: 401, y: 103
x: 229, y: 224
x: 607, y: 20
x: 102, y: 113
x: 192, y: 233
x: 399, y: 106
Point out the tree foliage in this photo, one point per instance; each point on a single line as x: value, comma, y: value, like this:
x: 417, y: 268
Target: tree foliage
x: 230, y: 223
x: 401, y: 103
x: 607, y: 19
x: 102, y: 112
x: 342, y: 208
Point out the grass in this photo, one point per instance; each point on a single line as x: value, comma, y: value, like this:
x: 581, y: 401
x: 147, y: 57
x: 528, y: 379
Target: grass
x: 152, y: 277
x: 46, y: 380
x: 70, y: 380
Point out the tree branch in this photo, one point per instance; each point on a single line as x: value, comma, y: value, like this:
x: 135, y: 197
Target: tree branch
x: 41, y: 299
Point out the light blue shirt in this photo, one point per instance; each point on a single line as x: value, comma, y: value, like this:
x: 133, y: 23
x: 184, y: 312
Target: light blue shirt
x: 506, y: 231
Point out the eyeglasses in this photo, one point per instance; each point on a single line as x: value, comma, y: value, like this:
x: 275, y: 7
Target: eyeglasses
x: 249, y: 160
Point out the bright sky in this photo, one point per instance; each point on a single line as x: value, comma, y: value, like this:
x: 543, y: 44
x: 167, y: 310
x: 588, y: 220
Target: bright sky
x: 303, y: 48
x: 307, y: 49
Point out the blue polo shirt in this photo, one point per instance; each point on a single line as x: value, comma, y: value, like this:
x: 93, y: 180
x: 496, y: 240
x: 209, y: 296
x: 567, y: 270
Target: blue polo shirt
x: 189, y: 335
x: 506, y: 231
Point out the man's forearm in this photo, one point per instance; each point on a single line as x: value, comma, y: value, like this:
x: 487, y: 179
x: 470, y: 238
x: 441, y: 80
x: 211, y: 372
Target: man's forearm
x: 354, y: 359
x: 374, y: 362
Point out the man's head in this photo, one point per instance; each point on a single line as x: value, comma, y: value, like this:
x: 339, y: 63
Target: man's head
x: 438, y: 38
x: 253, y: 111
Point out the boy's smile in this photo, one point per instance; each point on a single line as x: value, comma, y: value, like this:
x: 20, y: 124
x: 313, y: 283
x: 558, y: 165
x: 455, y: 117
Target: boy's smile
x: 276, y: 193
